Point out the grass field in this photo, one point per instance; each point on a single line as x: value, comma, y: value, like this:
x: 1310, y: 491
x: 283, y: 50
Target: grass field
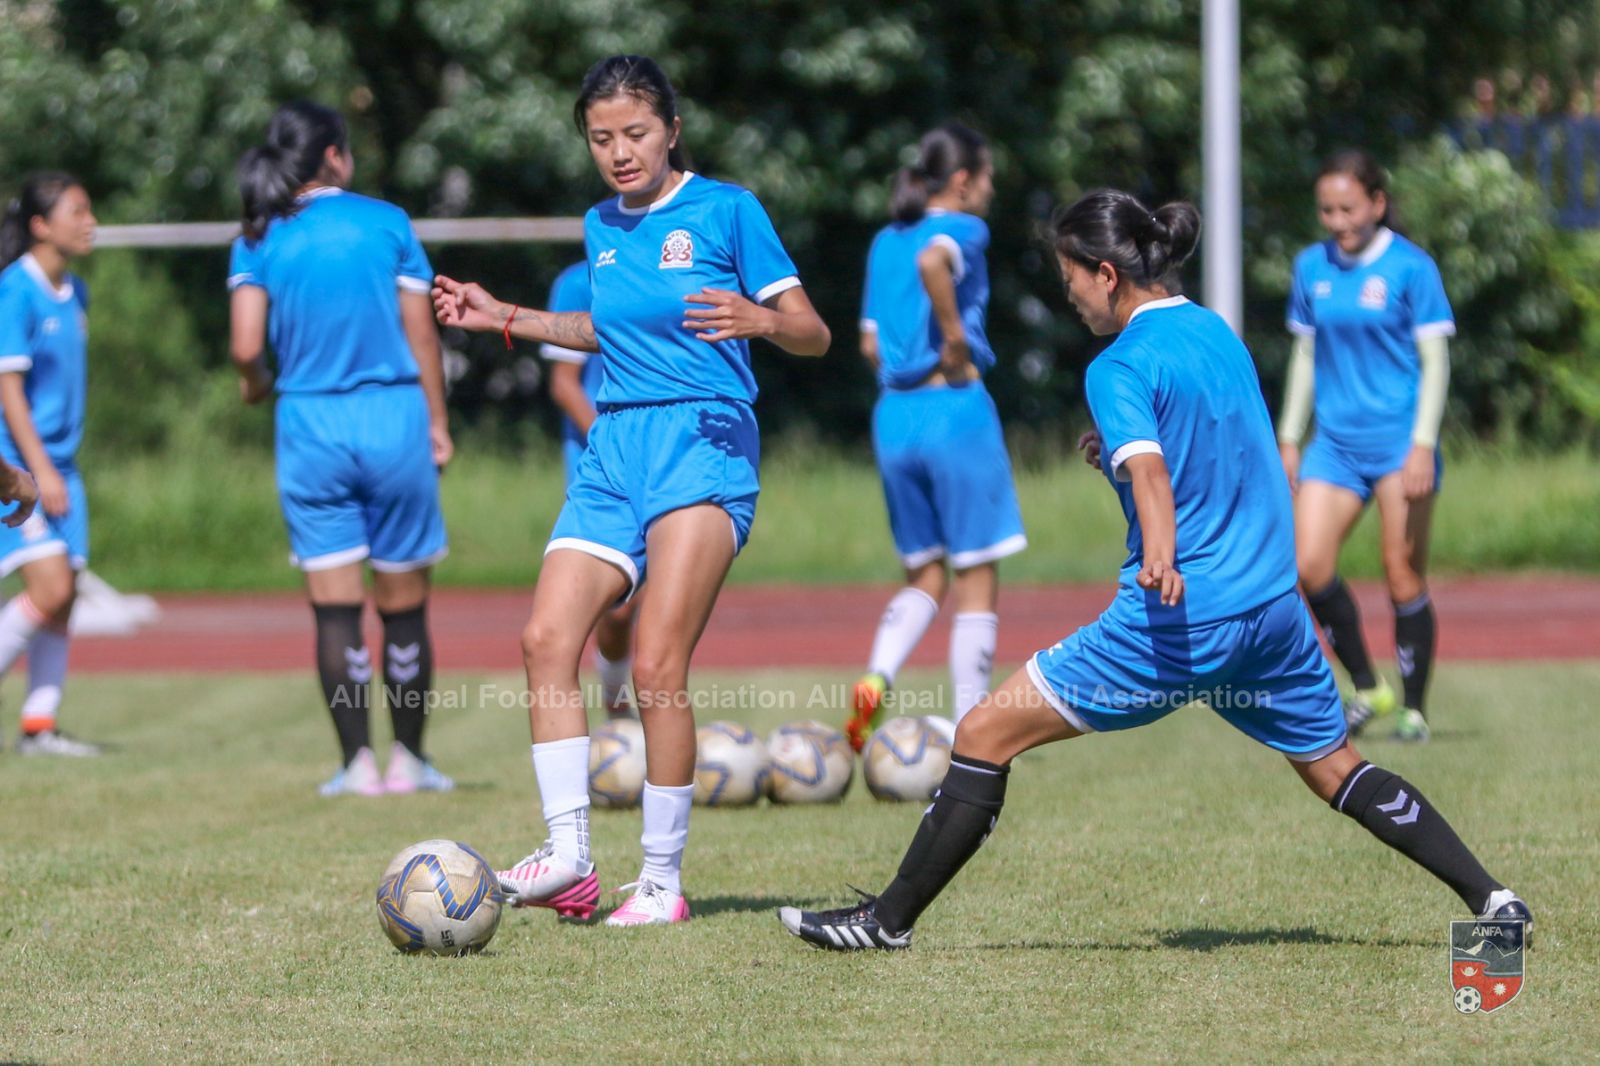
x: 1169, y: 895
x: 821, y: 519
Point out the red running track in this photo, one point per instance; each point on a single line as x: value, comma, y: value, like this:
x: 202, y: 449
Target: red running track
x: 1493, y: 618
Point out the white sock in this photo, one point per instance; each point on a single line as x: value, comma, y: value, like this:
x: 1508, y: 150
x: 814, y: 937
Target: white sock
x: 904, y: 621
x: 19, y: 621
x: 666, y: 831
x: 561, y: 768
x: 615, y: 677
x: 47, y: 672
x: 972, y: 639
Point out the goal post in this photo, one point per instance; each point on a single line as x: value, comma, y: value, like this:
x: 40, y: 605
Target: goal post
x: 553, y: 230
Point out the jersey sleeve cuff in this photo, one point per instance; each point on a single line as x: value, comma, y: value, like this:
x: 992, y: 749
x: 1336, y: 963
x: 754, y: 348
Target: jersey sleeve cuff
x: 958, y: 261
x: 236, y: 280
x: 868, y: 325
x: 767, y: 292
x: 1434, y: 329
x: 1300, y: 329
x: 1128, y: 451
x: 557, y: 354
x: 414, y: 284
x: 15, y: 364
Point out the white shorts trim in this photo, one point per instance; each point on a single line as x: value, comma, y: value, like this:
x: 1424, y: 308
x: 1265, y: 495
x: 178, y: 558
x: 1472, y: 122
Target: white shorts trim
x: 390, y: 566
x: 922, y: 558
x: 330, y: 560
x: 1434, y: 329
x: 1061, y: 706
x: 978, y: 556
x: 33, y: 553
x: 621, y: 560
x: 1128, y: 451
x: 1317, y: 753
x: 767, y: 292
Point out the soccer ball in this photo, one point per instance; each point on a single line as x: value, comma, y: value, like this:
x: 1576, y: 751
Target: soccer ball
x: 439, y: 897
x: 616, y: 763
x: 730, y: 768
x: 905, y: 760
x: 1468, y: 999
x: 811, y: 763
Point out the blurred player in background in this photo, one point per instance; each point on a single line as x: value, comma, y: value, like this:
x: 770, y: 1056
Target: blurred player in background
x: 685, y: 270
x: 44, y: 333
x: 339, y: 285
x: 935, y: 431
x: 574, y: 383
x: 1371, y: 361
x: 1206, y: 607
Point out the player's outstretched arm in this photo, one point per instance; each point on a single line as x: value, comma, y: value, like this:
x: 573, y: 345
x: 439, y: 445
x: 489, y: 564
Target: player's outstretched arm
x: 468, y: 305
x: 787, y: 320
x: 1158, y: 524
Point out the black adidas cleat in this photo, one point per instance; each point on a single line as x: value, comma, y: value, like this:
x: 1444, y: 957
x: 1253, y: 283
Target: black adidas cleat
x: 846, y: 929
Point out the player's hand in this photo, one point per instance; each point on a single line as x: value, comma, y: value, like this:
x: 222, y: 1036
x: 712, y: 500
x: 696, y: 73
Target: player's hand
x: 17, y: 486
x: 1089, y: 445
x: 955, y: 361
x: 1416, y: 476
x: 727, y: 316
x: 1290, y: 454
x: 257, y: 385
x: 1163, y: 576
x: 467, y: 305
x: 53, y: 493
x: 444, y: 449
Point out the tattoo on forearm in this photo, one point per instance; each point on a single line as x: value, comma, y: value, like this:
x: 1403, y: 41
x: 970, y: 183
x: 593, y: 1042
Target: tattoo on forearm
x: 569, y: 329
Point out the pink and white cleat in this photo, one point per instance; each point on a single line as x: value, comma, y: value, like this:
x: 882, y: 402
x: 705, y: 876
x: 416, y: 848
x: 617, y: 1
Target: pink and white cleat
x: 650, y: 904
x: 545, y: 879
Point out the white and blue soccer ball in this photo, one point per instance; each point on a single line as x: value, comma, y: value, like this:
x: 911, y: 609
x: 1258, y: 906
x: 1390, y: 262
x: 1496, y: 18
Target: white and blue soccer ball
x: 811, y: 762
x: 439, y: 897
x: 616, y: 763
x: 730, y: 768
x: 905, y: 759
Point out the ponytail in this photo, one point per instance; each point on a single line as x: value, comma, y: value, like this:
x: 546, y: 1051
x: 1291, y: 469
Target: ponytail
x: 271, y: 175
x: 942, y: 152
x: 37, y: 199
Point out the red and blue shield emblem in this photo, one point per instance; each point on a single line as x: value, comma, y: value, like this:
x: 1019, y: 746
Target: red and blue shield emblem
x: 1486, y: 963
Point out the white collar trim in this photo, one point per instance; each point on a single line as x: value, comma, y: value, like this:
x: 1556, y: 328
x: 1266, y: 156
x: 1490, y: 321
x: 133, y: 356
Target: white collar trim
x: 656, y: 205
x: 61, y: 294
x: 318, y: 193
x: 1371, y: 253
x: 1158, y: 305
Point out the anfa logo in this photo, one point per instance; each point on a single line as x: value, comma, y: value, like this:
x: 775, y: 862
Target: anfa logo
x: 1486, y: 963
x: 1374, y: 294
x: 677, y: 251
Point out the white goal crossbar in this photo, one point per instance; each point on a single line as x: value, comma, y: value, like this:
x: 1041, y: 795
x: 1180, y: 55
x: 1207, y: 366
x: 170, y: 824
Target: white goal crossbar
x: 430, y: 230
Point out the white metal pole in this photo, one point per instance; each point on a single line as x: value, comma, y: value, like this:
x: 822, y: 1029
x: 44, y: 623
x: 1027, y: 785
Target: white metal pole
x: 1223, y: 242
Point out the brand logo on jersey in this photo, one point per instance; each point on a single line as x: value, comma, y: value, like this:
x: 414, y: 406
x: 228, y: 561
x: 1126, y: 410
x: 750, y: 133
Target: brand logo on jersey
x: 605, y: 258
x: 1486, y: 964
x: 50, y: 326
x: 1374, y: 294
x: 1322, y: 290
x: 677, y: 251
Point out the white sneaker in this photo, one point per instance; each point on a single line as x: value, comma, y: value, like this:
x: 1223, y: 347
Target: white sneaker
x: 55, y: 742
x: 360, y: 778
x: 407, y: 773
x: 650, y: 904
x: 546, y: 879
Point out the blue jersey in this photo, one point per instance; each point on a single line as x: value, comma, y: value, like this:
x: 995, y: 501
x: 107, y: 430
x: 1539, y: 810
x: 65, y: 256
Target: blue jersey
x: 644, y: 261
x: 1367, y: 315
x: 896, y: 304
x: 332, y: 272
x: 44, y: 335
x: 570, y: 292
x: 1179, y: 383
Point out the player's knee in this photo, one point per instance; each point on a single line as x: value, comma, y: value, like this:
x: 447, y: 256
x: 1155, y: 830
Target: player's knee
x: 981, y: 735
x: 1316, y: 572
x: 546, y: 645
x: 54, y: 597
x: 657, y: 669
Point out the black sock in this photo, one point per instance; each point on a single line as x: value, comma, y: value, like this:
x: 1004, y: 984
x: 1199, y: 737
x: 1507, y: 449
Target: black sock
x: 1336, y: 612
x: 345, y: 668
x: 1396, y: 813
x: 963, y: 814
x: 1414, y: 628
x: 407, y: 673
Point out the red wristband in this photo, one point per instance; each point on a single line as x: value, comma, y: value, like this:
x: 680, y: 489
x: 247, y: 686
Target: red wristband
x: 512, y: 317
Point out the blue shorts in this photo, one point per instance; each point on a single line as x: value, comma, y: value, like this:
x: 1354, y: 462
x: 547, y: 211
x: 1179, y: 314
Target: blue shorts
x: 645, y: 460
x: 1262, y: 671
x: 1359, y: 470
x: 356, y: 479
x: 43, y: 534
x: 946, y: 476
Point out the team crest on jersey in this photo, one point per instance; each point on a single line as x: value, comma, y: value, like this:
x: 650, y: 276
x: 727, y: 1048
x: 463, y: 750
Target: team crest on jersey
x: 1486, y: 963
x: 677, y: 251
x: 1374, y: 294
x: 1322, y: 290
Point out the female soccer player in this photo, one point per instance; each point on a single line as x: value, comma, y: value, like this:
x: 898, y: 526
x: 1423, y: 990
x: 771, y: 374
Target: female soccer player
x: 946, y: 474
x: 339, y: 284
x: 574, y: 383
x: 1370, y: 321
x: 43, y: 380
x: 1206, y: 606
x: 685, y: 270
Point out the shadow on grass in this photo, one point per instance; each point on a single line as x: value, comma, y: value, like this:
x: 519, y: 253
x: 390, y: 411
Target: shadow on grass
x: 1204, y: 940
